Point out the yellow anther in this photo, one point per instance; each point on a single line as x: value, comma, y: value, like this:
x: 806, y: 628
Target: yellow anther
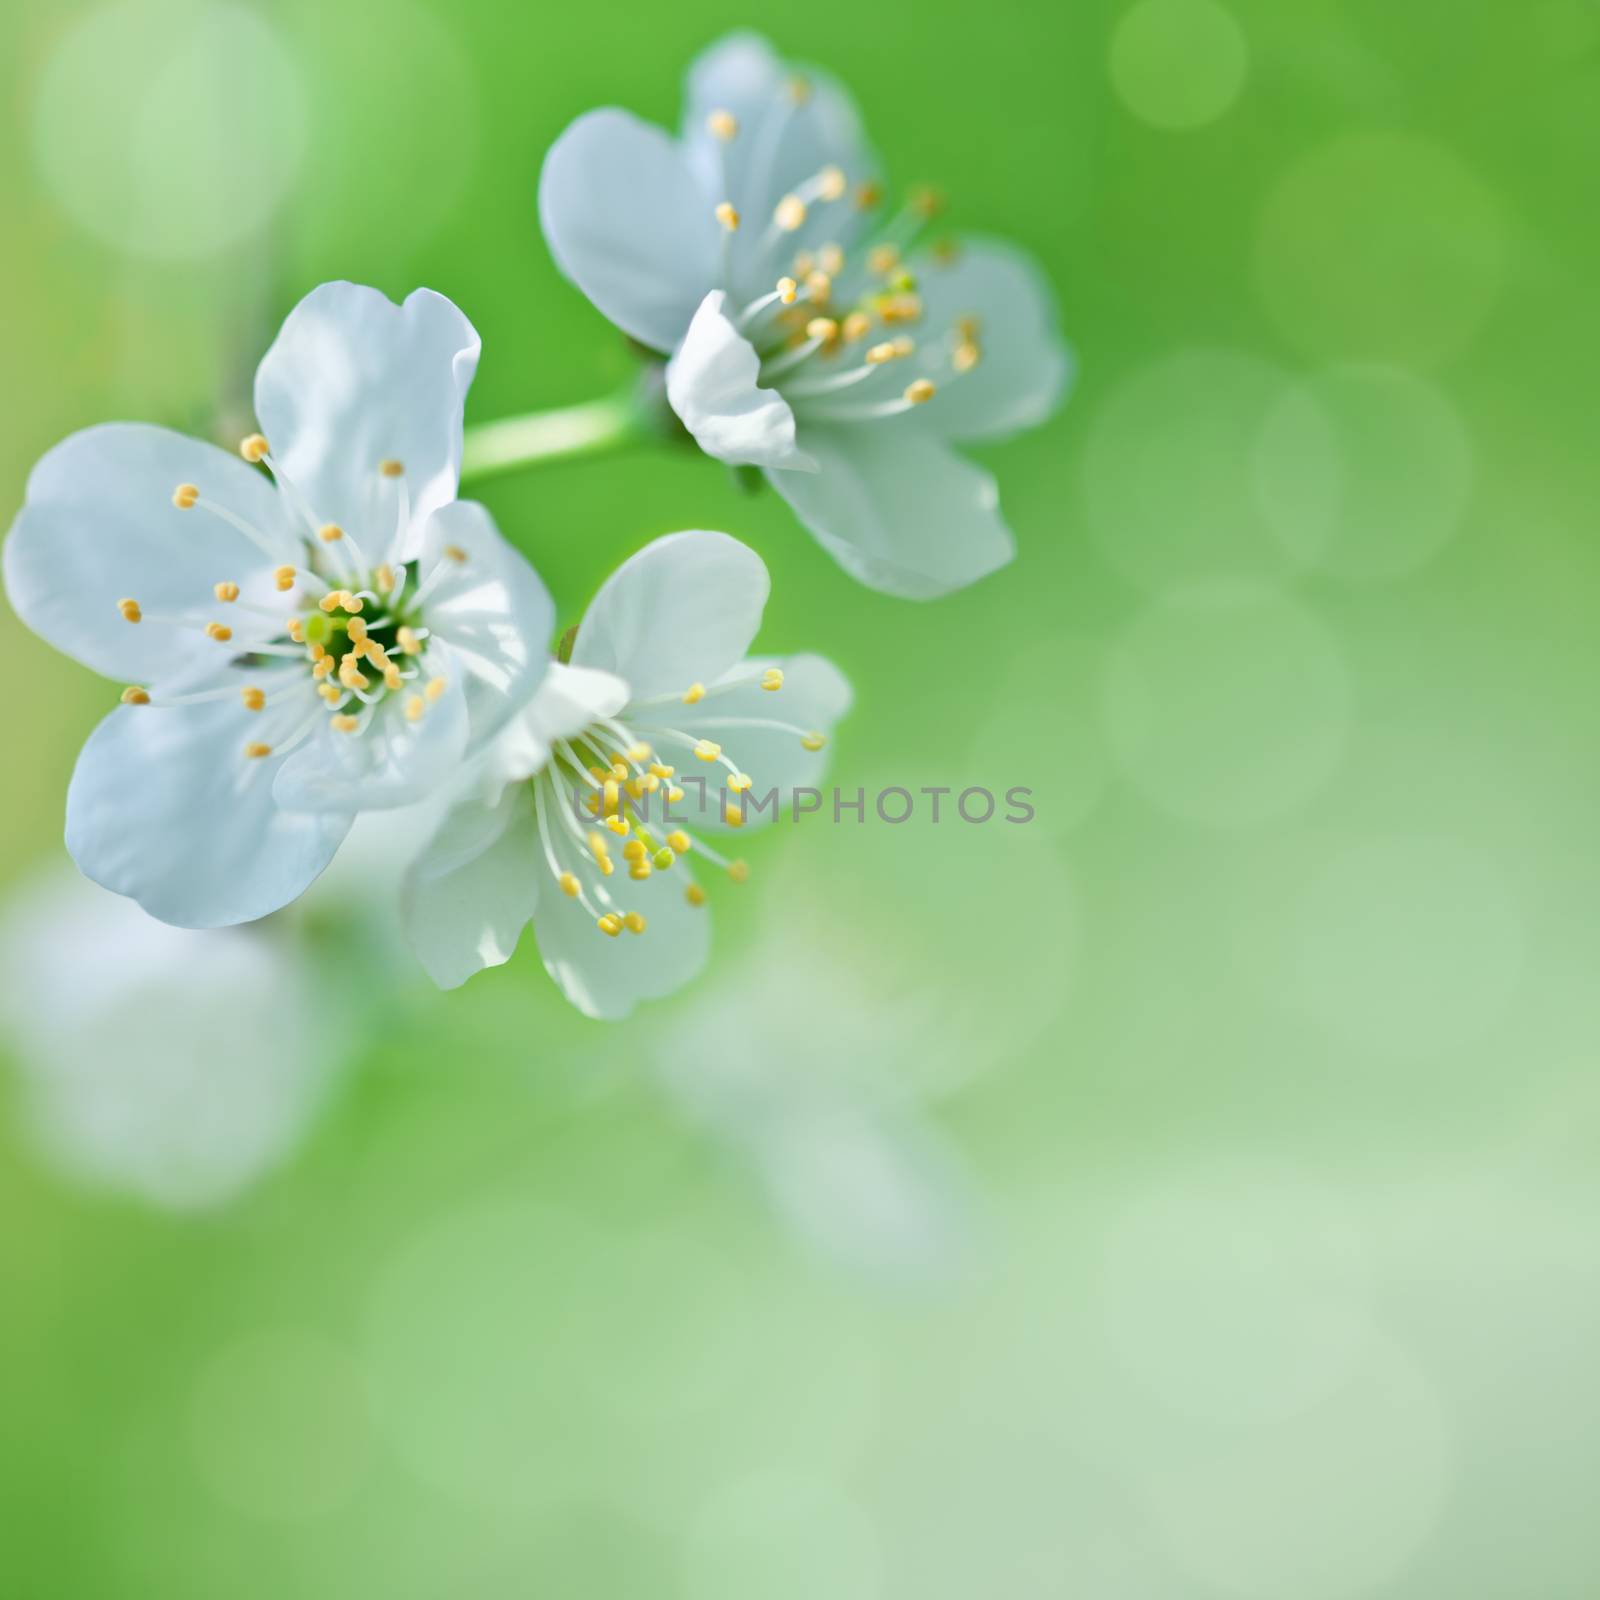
x: 610, y: 924
x: 639, y: 871
x: 609, y: 791
x: 634, y: 922
x: 707, y: 749
x: 787, y: 290
x: 257, y: 752
x: 253, y: 448
x: 819, y: 286
x: 926, y: 202
x: 869, y: 194
x: 813, y: 741
x: 219, y: 631
x: 693, y: 695
x: 569, y: 885
x: 316, y: 650
x: 883, y: 259
x: 455, y: 553
x: 966, y: 357
x: 392, y: 678
x: 739, y: 871
x: 772, y: 678
x: 133, y: 695
x: 727, y: 216
x: 649, y: 783
x: 695, y: 895
x: 738, y: 782
x: 619, y: 771
x: 904, y: 344
x: 823, y: 328
x: 185, y: 495
x: 830, y: 258
x: 357, y: 629
x: 436, y: 687
x: 598, y: 773
x: 351, y: 602
x: 679, y: 841
x: 658, y: 770
x: 790, y: 213
x: 391, y: 468
x: 331, y: 601
x: 634, y: 850
x: 799, y: 90
x: 409, y: 643
x: 722, y: 125
x: 880, y: 353
x: 330, y: 692
x: 130, y: 610
x: 856, y: 326
x: 663, y: 858
x: 920, y: 391
x: 635, y: 788
x: 383, y: 578
x: 597, y: 844
x: 344, y: 723
x: 295, y: 627
x: 284, y: 578
x: 832, y: 183
x: 254, y: 699
x: 322, y: 666
x: 415, y: 706
x: 674, y: 796
x: 900, y: 308
x: 639, y: 751
x: 733, y: 815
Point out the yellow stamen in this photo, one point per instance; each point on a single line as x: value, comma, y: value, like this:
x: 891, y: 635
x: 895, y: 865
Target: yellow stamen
x: 344, y: 723
x: 679, y: 841
x: 738, y: 782
x: 634, y: 850
x: 733, y: 815
x: 391, y: 676
x: 832, y: 183
x: 383, y: 578
x: 707, y: 749
x: 790, y: 213
x: 966, y: 357
x: 674, y: 796
x: 813, y: 741
x: 253, y: 448
x: 357, y: 629
x: 722, y: 125
x: 284, y: 578
x: 330, y: 533
x: 880, y: 353
x: 130, y: 610
x: 133, y: 695
x: 391, y: 468
x: 695, y: 693
x: 920, y: 392
x: 185, y: 495
x: 409, y: 643
x: 695, y: 895
x: 727, y: 216
x: 819, y: 286
x: 455, y: 553
x: 634, y: 922
x: 823, y: 328
x: 610, y: 924
x: 787, y: 290
x: 663, y: 858
x: 330, y: 692
x: 772, y: 678
x: 257, y: 752
x: 856, y: 326
x: 415, y: 706
x: 436, y: 687
x: 218, y: 631
x: 618, y: 825
x: 295, y: 627
x: 254, y: 699
x: 739, y: 871
x: 639, y: 871
x: 569, y: 884
x: 321, y: 667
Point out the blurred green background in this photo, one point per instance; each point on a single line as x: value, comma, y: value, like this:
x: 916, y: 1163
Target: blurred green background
x: 1190, y: 1194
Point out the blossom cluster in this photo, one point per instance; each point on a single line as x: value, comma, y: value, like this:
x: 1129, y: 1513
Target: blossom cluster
x: 319, y: 626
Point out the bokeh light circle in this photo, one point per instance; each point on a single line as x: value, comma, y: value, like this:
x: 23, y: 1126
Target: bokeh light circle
x: 1178, y: 63
x: 1380, y: 247
x: 1364, y: 472
x: 170, y: 130
x: 1168, y: 470
x: 1227, y: 704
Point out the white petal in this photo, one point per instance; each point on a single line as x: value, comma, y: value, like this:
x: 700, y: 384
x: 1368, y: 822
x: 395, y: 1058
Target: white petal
x: 681, y: 611
x: 780, y: 144
x: 493, y: 611
x: 815, y: 696
x: 165, y: 807
x: 898, y: 509
x: 606, y: 977
x: 1025, y: 365
x: 713, y: 382
x: 568, y: 700
x: 471, y: 892
x: 99, y: 526
x: 626, y: 220
x: 353, y: 380
x: 394, y: 761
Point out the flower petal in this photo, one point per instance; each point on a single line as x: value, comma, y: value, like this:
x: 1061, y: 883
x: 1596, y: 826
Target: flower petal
x: 713, y: 382
x: 815, y: 695
x: 568, y: 700
x: 898, y: 509
x: 470, y: 893
x: 628, y: 223
x: 353, y: 380
x: 165, y: 807
x: 1024, y: 366
x: 491, y: 608
x: 99, y: 526
x: 606, y: 978
x: 396, y: 760
x: 681, y: 611
x: 792, y: 123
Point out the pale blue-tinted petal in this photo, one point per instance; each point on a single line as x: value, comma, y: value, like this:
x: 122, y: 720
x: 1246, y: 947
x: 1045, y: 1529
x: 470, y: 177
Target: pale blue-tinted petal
x: 395, y: 761
x: 99, y: 526
x: 493, y: 611
x: 471, y: 892
x: 814, y: 697
x: 568, y: 701
x: 713, y: 383
x: 353, y: 380
x: 165, y: 807
x: 1024, y: 366
x: 681, y: 611
x: 898, y: 509
x: 628, y: 223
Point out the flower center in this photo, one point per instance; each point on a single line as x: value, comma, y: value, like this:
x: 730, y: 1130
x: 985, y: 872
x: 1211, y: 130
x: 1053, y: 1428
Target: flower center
x: 606, y: 793
x: 348, y: 636
x: 834, y: 333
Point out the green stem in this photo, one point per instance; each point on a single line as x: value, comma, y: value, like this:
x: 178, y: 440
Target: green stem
x: 559, y: 435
